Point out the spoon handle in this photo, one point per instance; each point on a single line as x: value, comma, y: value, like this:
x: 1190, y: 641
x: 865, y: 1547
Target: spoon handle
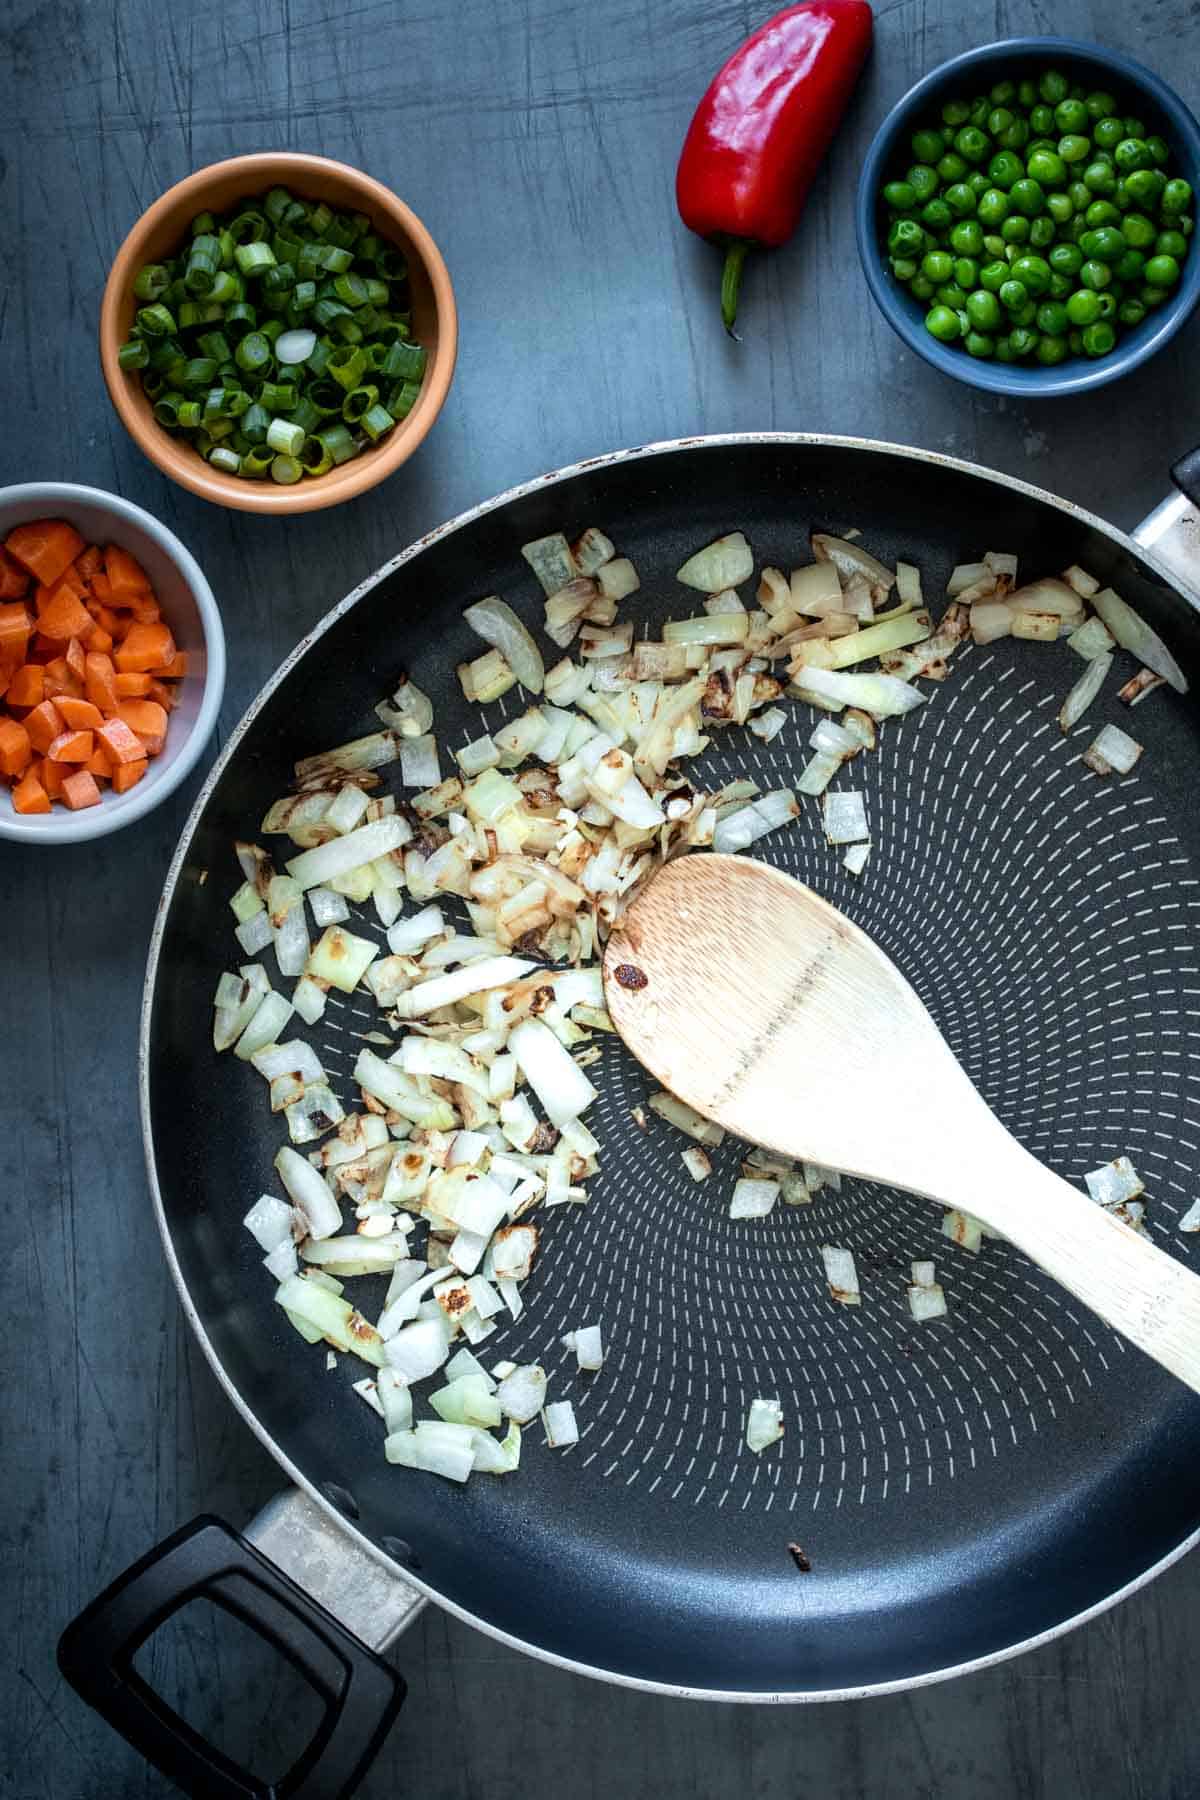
x: 1139, y: 1290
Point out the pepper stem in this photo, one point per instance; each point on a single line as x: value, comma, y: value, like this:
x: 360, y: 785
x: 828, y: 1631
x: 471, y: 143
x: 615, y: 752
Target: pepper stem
x: 731, y: 281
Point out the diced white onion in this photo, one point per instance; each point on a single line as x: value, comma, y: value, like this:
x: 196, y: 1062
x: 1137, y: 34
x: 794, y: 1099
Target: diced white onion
x: 1112, y: 750
x: 845, y: 818
x: 855, y: 859
x: 764, y: 1424
x: 497, y: 624
x: 295, y: 346
x: 561, y: 1427
x: 753, y: 1199
x: 1115, y: 1182
x: 269, y: 1222
x: 523, y: 1393
x: 841, y: 1275
x: 310, y: 1193
x: 561, y: 1086
x: 1085, y: 690
x: 1132, y: 633
x: 927, y: 1301
x: 723, y: 564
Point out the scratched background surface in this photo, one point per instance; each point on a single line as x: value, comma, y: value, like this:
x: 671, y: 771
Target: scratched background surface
x: 538, y: 141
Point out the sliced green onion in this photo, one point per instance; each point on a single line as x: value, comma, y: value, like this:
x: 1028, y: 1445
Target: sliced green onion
x: 204, y: 260
x: 199, y: 372
x: 405, y: 361
x: 402, y: 399
x: 257, y: 462
x: 352, y: 289
x: 340, y: 231
x: 248, y: 228
x: 318, y: 362
x: 253, y: 258
x: 305, y: 413
x: 190, y: 413
x: 152, y: 281
x: 378, y: 292
x: 239, y: 319
x: 199, y: 312
x: 315, y: 457
x: 203, y: 225
x: 348, y: 364
x: 286, y: 470
x: 358, y: 402
x: 304, y: 295
x: 338, y: 440
x: 164, y: 352
x: 331, y: 256
x: 285, y: 437
x: 226, y: 289
x: 255, y: 423
x: 272, y: 328
x: 326, y: 397
x: 228, y: 461
x: 133, y: 355
x: 216, y: 345
x: 279, y: 396
x: 166, y: 410
x: 376, y: 421
x: 155, y: 321
x: 320, y: 219
x: 253, y: 354
x: 276, y: 204
x: 279, y: 280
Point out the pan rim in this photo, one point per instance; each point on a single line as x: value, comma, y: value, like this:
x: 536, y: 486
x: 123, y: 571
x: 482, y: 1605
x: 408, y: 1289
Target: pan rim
x: 587, y: 465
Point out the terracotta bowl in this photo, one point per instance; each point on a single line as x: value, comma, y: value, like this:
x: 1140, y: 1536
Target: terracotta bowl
x: 159, y: 233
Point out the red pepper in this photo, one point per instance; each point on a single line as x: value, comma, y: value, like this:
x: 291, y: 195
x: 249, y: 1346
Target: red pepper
x: 759, y: 134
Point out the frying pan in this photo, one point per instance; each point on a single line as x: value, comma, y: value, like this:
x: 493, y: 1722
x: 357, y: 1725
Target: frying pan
x: 962, y: 1490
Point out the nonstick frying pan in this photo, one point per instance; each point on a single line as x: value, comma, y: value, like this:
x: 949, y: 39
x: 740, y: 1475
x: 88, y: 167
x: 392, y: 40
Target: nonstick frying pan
x: 962, y: 1490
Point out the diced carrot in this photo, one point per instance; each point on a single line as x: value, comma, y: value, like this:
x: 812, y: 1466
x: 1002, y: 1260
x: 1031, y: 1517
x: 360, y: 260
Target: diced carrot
x: 76, y: 661
x: 100, y: 639
x: 14, y: 580
x: 50, y: 774
x: 64, y: 616
x: 29, y: 796
x: 89, y: 561
x: 43, y: 724
x: 124, y: 572
x: 175, y: 670
x: 133, y: 687
x: 99, y: 765
x: 71, y: 747
x: 74, y: 582
x: 144, y: 608
x: 46, y: 547
x: 102, y: 591
x: 27, y: 687
x: 15, y: 748
x: 79, y: 715
x: 99, y: 681
x: 80, y: 790
x: 164, y: 692
x: 43, y: 649
x: 147, y: 720
x: 60, y: 680
x: 120, y: 744
x: 127, y: 775
x: 16, y: 629
x: 145, y: 647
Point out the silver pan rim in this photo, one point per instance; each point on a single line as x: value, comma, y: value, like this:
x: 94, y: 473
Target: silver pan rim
x: 588, y: 465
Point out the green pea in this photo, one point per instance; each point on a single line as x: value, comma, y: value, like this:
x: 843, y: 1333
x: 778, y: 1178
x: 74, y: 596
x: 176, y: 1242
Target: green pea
x: 922, y: 287
x: 1022, y: 340
x: 1095, y: 275
x: 1052, y: 350
x: 983, y: 310
x: 967, y: 237
x: 923, y: 181
x: 1026, y: 315
x: 1014, y: 136
x: 955, y: 112
x: 960, y: 199
x: 1041, y: 120
x: 1099, y: 339
x: 1131, y: 312
x: 1014, y: 296
x: 1106, y: 245
x: 993, y: 244
x: 950, y: 294
x: 1006, y: 168
x: 938, y: 265
x: 1060, y: 285
x: 1071, y: 116
x: 999, y: 119
x: 936, y: 215
x: 1159, y: 149
x: 1170, y: 243
x: 1130, y: 266
x: 1101, y: 212
x: 1099, y: 177
x: 966, y: 272
x: 1123, y: 199
x: 941, y: 322
x: 1108, y: 306
x: 971, y: 143
x: 1066, y: 259
x: 1150, y: 295
x: 1185, y: 223
x: 1134, y: 128
x: 977, y: 181
x: 1130, y: 154
x: 951, y: 167
x: 906, y: 238
x: 1176, y: 196
x: 993, y: 206
x: 1027, y: 196
x: 1138, y: 231
x: 1059, y: 207
x: 1083, y: 307
x: 1054, y: 86
x: 927, y: 146
x: 1162, y: 271
x: 1046, y: 166
x: 1074, y: 149
x: 1079, y: 196
x: 1042, y: 233
x: 1015, y: 229
x: 1034, y: 271
x: 1027, y: 93
x: 1107, y: 133
x: 1100, y: 105
x: 978, y: 343
x: 1075, y: 340
x: 904, y: 268
x: 980, y: 109
x: 993, y: 277
x: 1036, y: 144
x: 900, y: 195
x: 1053, y: 319
x: 1002, y: 93
x: 1145, y: 186
x: 1004, y: 351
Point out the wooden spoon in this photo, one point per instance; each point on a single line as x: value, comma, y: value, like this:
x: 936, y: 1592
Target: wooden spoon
x: 758, y: 1004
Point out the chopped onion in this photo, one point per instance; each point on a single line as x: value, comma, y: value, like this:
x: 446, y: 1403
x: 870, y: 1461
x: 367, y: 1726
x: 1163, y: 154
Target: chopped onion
x: 1111, y: 750
x: 561, y: 1428
x: 618, y: 579
x: 1091, y: 639
x: 727, y: 563
x: 1132, y: 633
x: 841, y: 1275
x: 753, y: 1199
x: 588, y: 1347
x: 927, y: 1300
x: 269, y: 1222
x: 881, y: 695
x: 845, y: 818
x: 314, y: 868
x: 268, y: 1021
x: 1191, y: 1218
x: 1116, y: 1182
x: 752, y: 822
x: 282, y: 1261
x: 1085, y: 585
x: 419, y: 1349
x: 677, y: 1112
x: 1085, y: 690
x: 991, y: 620
x: 419, y: 766
x: 453, y: 1457
x: 498, y: 625
x: 551, y: 560
x: 818, y: 772
x: 523, y: 1393
x: 561, y: 1086
x: 254, y: 934
x: 963, y: 1229
x: 307, y: 1301
x: 341, y: 959
x: 476, y: 978
x: 764, y: 1424
x: 309, y: 1192
x: 851, y: 560
x: 327, y: 907
x: 855, y: 859
x: 924, y: 1274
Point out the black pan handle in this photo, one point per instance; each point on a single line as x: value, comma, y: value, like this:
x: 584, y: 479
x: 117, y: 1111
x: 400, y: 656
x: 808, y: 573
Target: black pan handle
x: 1186, y: 476
x: 362, y: 1694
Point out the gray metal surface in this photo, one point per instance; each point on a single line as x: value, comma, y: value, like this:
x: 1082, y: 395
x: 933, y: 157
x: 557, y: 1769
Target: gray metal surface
x: 588, y: 322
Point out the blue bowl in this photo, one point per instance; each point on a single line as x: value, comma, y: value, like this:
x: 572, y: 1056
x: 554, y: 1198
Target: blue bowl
x: 1149, y: 98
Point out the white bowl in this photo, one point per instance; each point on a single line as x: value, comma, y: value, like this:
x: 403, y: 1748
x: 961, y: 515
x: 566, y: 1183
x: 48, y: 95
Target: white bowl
x: 190, y: 610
